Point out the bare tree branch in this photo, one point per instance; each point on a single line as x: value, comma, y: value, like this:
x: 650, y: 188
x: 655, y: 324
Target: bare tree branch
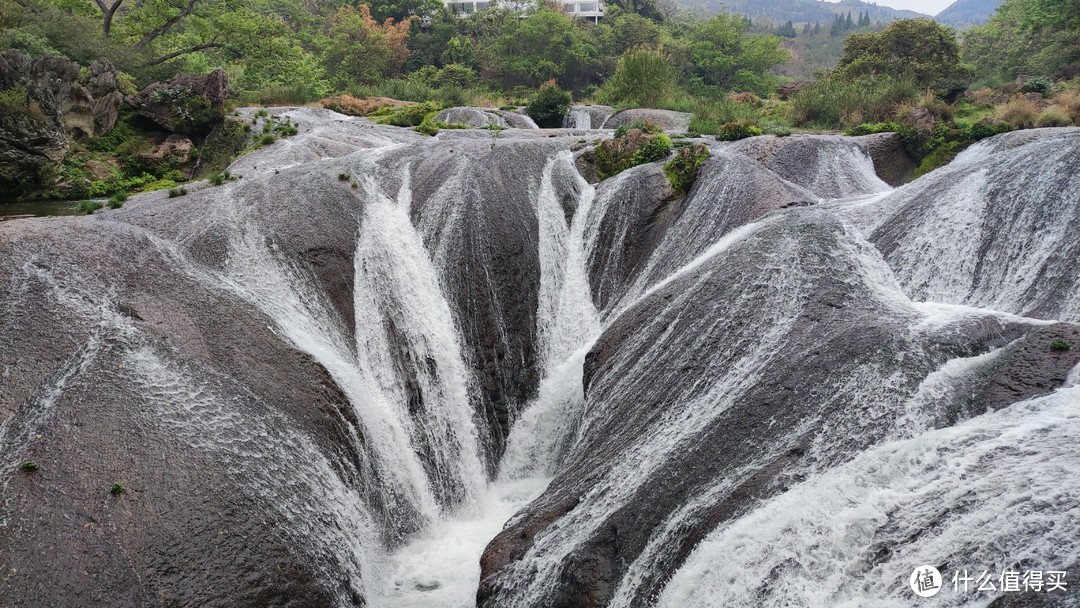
x: 194, y: 49
x: 168, y: 25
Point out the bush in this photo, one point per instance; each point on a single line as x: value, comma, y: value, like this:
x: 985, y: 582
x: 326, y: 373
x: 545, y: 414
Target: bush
x: 432, y: 127
x: 1041, y: 86
x: 643, y: 78
x: 629, y: 150
x: 710, y: 115
x: 1059, y: 345
x: 176, y: 192
x: 354, y: 106
x: 411, y: 115
x: 682, y: 170
x: 266, y: 140
x: 117, y: 489
x: 343, y: 177
x: 28, y: 466
x: 87, y: 207
x: 869, y: 128
x: 1054, y: 116
x: 656, y: 148
x: 737, y: 130
x: 549, y: 106
x: 834, y: 102
x: 1069, y: 100
x: 641, y: 125
x: 1020, y: 112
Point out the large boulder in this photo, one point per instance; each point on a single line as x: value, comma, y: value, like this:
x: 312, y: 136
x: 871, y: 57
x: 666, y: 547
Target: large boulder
x: 485, y: 117
x: 186, y: 104
x: 667, y: 120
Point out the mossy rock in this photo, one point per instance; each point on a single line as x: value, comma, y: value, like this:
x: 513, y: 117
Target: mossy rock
x: 632, y: 148
x: 222, y: 146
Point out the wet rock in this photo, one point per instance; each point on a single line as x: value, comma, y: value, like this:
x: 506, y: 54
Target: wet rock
x: 174, y: 151
x: 667, y: 365
x: 485, y: 117
x: 191, y: 105
x: 667, y: 120
x: 830, y: 166
x: 892, y: 162
x: 587, y: 116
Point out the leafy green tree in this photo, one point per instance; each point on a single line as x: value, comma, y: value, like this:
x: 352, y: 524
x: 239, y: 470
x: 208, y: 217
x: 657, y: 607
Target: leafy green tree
x: 543, y: 46
x: 548, y: 107
x: 459, y: 50
x: 921, y: 49
x: 362, y: 50
x: 725, y: 55
x: 1033, y: 37
x: 400, y: 10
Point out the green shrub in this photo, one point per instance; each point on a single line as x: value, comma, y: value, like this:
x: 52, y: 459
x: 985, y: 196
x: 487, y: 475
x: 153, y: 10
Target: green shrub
x: 28, y: 466
x: 643, y: 78
x: 634, y: 148
x: 432, y: 127
x: 1059, y: 345
x: 869, y: 128
x: 682, y: 170
x: 737, y: 130
x: 117, y: 489
x: 835, y: 102
x: 656, y: 148
x: 940, y: 156
x: 266, y: 140
x: 1042, y: 86
x: 343, y: 177
x: 87, y: 207
x: 177, y: 192
x: 217, y: 178
x: 549, y: 106
x: 711, y: 114
x: 405, y: 116
x: 641, y: 125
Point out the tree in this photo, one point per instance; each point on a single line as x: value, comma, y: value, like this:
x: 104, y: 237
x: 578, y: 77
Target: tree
x: 543, y: 46
x: 362, y: 50
x: 1034, y: 37
x: 724, y: 55
x: 918, y: 48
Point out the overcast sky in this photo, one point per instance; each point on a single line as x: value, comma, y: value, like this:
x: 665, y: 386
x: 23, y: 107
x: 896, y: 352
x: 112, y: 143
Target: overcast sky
x: 930, y: 7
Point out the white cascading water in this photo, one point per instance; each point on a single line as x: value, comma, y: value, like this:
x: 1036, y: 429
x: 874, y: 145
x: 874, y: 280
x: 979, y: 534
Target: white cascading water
x: 567, y: 323
x: 818, y: 544
x: 439, y: 567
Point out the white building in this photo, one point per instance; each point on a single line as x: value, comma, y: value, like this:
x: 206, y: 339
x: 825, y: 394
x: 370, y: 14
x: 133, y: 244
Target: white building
x: 586, y: 9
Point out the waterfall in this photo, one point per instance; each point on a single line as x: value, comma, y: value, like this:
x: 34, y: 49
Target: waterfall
x: 390, y: 370
x: 567, y: 323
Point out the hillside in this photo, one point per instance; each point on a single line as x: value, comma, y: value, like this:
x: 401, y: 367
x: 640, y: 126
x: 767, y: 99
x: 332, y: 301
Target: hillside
x: 965, y: 13
x: 799, y: 11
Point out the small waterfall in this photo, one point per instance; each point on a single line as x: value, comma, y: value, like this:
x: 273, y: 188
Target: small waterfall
x: 408, y: 344
x: 567, y: 323
x: 439, y: 567
x: 578, y: 117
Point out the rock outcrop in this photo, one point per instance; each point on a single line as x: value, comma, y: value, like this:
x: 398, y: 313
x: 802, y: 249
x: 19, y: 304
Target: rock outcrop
x: 190, y: 105
x: 45, y: 106
x: 667, y: 120
x: 482, y: 118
